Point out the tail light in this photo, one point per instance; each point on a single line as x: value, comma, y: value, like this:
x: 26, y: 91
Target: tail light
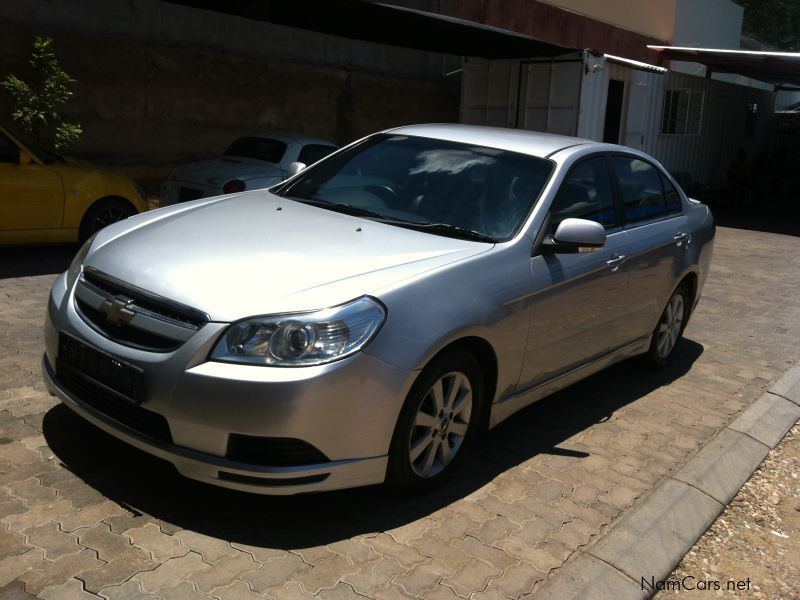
x: 233, y: 186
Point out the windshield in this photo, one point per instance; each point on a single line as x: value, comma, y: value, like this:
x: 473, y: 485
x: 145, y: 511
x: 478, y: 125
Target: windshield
x: 423, y: 181
x: 257, y: 147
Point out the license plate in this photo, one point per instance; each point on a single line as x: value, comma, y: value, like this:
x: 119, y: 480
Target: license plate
x: 124, y: 379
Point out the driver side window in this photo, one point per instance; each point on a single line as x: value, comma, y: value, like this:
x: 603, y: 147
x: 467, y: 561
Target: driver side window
x: 9, y: 153
x: 586, y: 193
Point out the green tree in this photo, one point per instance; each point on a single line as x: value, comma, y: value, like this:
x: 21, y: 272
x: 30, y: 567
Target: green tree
x: 773, y: 22
x: 36, y: 103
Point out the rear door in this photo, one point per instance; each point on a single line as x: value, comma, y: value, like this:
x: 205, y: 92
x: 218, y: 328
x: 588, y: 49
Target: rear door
x: 576, y: 317
x: 656, y: 239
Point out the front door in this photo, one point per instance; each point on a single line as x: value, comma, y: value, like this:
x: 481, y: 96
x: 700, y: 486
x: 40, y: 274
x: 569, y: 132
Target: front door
x: 31, y: 195
x: 577, y: 316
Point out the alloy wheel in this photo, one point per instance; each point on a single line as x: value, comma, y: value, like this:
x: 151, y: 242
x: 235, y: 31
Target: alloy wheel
x: 671, y: 326
x: 107, y: 216
x: 440, y: 425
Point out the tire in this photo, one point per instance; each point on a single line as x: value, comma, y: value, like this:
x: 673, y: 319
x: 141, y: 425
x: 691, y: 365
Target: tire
x: 102, y: 213
x: 669, y: 330
x: 431, y: 437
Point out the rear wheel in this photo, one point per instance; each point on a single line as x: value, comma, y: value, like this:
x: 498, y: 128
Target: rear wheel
x: 670, y: 327
x: 438, y: 422
x: 103, y: 213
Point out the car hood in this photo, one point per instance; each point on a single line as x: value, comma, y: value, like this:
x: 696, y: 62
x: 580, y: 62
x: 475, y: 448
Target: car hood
x: 217, y: 171
x: 256, y: 253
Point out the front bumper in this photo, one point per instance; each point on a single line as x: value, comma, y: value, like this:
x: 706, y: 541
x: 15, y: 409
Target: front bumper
x: 346, y: 409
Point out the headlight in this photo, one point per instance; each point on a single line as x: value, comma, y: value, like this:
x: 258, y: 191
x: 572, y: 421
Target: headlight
x: 76, y: 266
x: 298, y: 340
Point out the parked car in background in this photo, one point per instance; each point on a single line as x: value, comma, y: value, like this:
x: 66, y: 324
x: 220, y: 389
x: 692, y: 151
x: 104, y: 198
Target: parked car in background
x: 363, y: 321
x: 250, y: 163
x: 46, y: 198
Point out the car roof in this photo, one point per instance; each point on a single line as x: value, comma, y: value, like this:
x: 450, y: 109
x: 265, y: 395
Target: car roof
x: 514, y: 140
x: 290, y: 137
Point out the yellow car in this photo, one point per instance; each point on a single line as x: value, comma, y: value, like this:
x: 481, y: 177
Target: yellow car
x: 48, y: 199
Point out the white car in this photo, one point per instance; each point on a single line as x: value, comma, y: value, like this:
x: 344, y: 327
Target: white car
x: 251, y: 162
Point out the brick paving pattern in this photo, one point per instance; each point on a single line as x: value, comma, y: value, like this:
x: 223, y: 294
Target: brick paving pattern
x: 84, y: 516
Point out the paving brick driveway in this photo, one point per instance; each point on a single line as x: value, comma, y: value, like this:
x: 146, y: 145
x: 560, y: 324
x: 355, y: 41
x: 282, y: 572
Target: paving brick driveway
x: 83, y: 515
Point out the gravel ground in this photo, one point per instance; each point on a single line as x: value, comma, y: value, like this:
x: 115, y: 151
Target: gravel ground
x: 757, y: 537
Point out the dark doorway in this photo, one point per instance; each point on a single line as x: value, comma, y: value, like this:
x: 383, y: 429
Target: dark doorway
x: 616, y: 90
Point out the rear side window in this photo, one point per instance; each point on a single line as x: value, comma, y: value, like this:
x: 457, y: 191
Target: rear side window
x: 586, y: 193
x: 9, y: 153
x: 311, y: 153
x: 641, y: 188
x: 673, y: 197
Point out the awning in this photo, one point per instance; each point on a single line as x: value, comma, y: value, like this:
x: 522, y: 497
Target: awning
x: 781, y: 69
x: 386, y: 24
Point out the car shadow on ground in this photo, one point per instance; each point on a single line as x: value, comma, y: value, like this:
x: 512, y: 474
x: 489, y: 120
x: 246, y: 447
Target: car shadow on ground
x: 26, y: 261
x: 145, y: 484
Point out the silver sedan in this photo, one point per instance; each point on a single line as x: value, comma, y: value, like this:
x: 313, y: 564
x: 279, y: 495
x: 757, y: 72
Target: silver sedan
x: 364, y: 320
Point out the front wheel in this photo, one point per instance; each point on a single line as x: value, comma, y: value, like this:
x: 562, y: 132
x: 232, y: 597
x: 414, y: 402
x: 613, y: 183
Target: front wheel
x: 439, y: 420
x: 670, y: 327
x: 103, y: 213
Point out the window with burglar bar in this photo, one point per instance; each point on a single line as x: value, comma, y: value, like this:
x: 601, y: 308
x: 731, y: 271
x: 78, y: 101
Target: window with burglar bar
x: 683, y: 112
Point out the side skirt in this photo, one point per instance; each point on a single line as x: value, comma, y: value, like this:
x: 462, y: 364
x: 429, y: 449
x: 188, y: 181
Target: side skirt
x: 507, y: 406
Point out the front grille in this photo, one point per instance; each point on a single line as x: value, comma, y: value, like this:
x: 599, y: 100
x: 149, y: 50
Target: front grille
x: 125, y: 334
x: 140, y: 420
x: 147, y: 300
x: 134, y: 317
x: 272, y: 451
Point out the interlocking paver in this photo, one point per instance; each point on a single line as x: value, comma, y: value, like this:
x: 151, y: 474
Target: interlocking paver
x: 211, y: 549
x: 403, y: 554
x: 225, y: 571
x: 341, y: 592
x: 117, y: 571
x: 275, y: 572
x: 374, y: 576
x: 130, y: 590
x: 472, y: 578
x: 517, y: 581
x: 238, y: 590
x: 325, y: 574
x: 59, y: 571
x: 170, y: 573
x: 182, y: 591
x: 423, y: 578
x: 90, y: 515
x: 108, y: 545
x: 52, y: 540
x: 71, y: 590
x: 11, y: 543
x: 157, y: 544
x: 11, y: 567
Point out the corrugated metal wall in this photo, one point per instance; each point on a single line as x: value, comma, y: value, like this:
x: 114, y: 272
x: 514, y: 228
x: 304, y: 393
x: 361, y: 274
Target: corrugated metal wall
x: 491, y: 93
x: 708, y: 155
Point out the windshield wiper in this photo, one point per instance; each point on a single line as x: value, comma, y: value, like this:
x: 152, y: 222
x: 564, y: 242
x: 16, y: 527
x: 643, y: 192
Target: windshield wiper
x: 441, y: 228
x: 345, y: 208
x: 447, y: 228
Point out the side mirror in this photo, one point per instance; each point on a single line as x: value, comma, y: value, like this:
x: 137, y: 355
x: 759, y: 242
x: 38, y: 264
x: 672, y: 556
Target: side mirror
x: 575, y: 236
x: 294, y: 169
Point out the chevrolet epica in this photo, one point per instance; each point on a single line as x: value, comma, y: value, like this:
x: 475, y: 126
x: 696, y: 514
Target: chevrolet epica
x: 364, y: 320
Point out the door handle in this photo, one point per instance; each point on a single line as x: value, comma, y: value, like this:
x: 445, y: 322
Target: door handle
x: 680, y: 238
x: 615, y: 260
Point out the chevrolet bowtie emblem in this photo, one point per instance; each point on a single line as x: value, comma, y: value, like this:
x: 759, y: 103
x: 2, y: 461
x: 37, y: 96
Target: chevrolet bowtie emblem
x: 117, y: 311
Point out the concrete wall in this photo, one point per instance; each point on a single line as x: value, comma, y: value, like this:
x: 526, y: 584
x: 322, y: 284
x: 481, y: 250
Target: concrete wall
x: 160, y: 84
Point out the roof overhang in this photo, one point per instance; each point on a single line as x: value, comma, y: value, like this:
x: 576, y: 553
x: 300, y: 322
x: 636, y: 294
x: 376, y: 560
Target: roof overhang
x: 387, y: 24
x: 634, y: 64
x: 781, y: 69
